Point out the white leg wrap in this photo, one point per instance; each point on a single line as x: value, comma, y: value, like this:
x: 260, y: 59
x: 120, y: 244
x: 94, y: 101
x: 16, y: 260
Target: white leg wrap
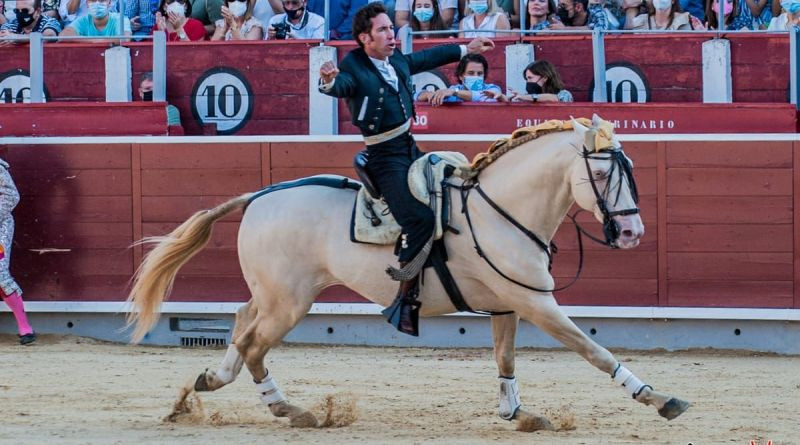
x: 630, y: 383
x: 270, y: 394
x: 509, y: 398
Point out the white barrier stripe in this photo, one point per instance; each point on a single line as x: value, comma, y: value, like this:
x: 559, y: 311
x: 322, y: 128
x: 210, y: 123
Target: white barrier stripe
x: 357, y: 138
x: 673, y: 313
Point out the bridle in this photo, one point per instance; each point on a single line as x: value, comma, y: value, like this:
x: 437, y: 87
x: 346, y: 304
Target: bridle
x: 611, y: 229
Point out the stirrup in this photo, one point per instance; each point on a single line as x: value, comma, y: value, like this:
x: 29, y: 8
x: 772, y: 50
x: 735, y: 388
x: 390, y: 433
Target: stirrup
x: 403, y: 313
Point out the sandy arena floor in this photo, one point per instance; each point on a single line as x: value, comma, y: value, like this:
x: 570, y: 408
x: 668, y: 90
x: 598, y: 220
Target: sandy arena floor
x: 78, y: 391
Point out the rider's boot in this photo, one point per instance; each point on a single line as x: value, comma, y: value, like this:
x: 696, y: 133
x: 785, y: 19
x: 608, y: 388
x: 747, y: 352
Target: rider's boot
x: 403, y: 313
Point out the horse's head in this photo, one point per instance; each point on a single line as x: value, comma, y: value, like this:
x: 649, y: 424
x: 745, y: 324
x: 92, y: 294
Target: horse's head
x: 602, y: 183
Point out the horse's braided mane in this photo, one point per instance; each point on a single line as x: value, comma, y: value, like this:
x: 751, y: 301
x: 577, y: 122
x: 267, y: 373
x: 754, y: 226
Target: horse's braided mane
x: 527, y: 134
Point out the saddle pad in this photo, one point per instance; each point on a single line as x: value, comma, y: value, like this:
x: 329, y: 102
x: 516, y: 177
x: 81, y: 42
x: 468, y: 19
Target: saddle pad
x: 425, y: 182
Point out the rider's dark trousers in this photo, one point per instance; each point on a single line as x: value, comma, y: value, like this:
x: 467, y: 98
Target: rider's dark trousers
x: 388, y: 167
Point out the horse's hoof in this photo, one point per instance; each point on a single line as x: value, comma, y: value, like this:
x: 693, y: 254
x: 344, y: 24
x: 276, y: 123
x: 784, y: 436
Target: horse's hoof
x: 673, y: 408
x: 201, y: 384
x: 304, y: 420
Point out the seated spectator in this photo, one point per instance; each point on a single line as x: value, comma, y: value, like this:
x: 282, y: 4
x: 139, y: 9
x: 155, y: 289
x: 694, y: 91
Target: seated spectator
x: 142, y: 14
x: 580, y: 14
x: 71, y: 10
x: 238, y: 22
x: 98, y: 23
x: 540, y: 14
x: 340, y: 15
x: 482, y: 15
x: 29, y: 18
x: 297, y: 22
x: 661, y: 14
x: 146, y: 94
x: 174, y: 17
x: 425, y: 16
x: 733, y: 19
x: 471, y: 73
x: 787, y: 19
x: 542, y: 84
x: 403, y: 12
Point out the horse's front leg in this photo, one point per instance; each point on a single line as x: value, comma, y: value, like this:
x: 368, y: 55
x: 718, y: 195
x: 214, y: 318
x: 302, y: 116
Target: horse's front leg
x: 504, y: 333
x: 543, y: 311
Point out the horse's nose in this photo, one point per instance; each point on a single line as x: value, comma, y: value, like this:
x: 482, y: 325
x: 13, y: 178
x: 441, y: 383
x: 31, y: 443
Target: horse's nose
x: 631, y: 230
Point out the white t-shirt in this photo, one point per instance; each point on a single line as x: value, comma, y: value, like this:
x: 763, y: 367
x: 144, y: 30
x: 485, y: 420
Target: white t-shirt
x: 314, y: 29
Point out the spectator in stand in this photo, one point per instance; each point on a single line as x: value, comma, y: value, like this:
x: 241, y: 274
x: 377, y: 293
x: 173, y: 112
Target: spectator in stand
x: 29, y: 18
x: 71, y: 10
x: 471, y: 73
x: 580, y: 14
x: 9, y: 289
x: 787, y: 19
x: 733, y: 20
x: 542, y: 84
x: 49, y: 8
x: 175, y: 17
x: 425, y: 16
x: 759, y: 12
x: 237, y: 22
x: 541, y: 13
x: 340, y: 15
x: 403, y: 12
x: 146, y: 94
x: 661, y: 14
x: 482, y: 15
x: 142, y: 14
x: 98, y: 23
x: 297, y: 22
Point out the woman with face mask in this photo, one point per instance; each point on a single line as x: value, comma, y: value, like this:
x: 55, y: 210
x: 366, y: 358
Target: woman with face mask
x: 237, y: 22
x: 425, y: 16
x: 174, y: 17
x: 542, y: 84
x: 471, y: 73
x: 734, y: 20
x: 661, y: 14
x: 482, y: 19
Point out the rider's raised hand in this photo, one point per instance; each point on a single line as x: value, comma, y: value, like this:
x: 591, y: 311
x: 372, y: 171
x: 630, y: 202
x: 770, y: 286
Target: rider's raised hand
x: 480, y: 45
x: 328, y: 72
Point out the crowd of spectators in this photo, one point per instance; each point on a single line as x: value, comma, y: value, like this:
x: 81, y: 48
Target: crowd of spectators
x: 193, y: 20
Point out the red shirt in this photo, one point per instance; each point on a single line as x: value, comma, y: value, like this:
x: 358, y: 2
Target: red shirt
x: 193, y: 28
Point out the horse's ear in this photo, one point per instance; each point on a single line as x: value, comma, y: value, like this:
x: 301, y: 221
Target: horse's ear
x: 596, y: 120
x: 579, y: 127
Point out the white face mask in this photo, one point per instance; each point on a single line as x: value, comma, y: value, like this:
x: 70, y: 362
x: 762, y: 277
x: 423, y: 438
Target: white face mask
x: 662, y: 5
x: 176, y: 8
x: 237, y: 8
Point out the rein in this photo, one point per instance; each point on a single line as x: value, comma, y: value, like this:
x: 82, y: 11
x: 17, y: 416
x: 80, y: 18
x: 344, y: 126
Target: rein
x: 610, y: 227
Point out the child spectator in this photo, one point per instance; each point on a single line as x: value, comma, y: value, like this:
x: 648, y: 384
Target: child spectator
x: 661, y: 14
x: 471, y: 73
x: 174, y: 17
x: 403, y: 12
x: 485, y: 16
x: 142, y: 14
x: 542, y: 84
x: 425, y: 16
x: 29, y: 18
x: 71, y: 10
x: 9, y: 289
x: 238, y: 22
x: 297, y: 22
x: 98, y: 23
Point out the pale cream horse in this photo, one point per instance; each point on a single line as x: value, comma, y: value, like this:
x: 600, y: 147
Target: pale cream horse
x: 294, y: 243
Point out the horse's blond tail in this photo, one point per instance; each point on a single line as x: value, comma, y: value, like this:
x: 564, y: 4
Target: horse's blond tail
x: 154, y: 278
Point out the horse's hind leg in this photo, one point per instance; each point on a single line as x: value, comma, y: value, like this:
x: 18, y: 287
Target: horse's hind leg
x: 232, y: 363
x: 504, y: 332
x: 544, y: 312
x: 274, y: 319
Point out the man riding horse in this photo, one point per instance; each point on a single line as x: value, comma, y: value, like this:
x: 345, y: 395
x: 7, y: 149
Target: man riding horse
x: 375, y: 81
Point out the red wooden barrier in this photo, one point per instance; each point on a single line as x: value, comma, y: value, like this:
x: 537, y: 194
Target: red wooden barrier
x: 719, y: 216
x: 84, y: 119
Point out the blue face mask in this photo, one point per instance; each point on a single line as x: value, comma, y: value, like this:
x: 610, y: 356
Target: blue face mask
x: 479, y: 7
x: 474, y: 83
x: 423, y: 14
x: 98, y: 10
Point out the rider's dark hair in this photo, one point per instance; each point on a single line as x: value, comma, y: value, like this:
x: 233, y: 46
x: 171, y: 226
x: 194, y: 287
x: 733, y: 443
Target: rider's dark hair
x: 362, y: 22
x: 477, y: 58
